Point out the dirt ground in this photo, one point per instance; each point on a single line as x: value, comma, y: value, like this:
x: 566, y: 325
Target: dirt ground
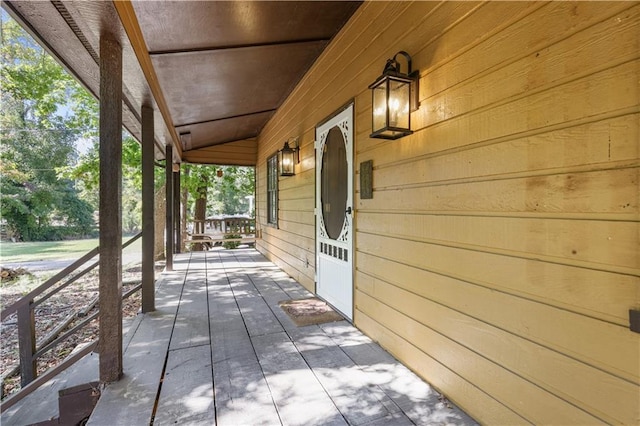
x: 71, y: 302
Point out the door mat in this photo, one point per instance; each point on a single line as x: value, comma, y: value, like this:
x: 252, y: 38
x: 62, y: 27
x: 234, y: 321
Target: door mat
x: 309, y: 311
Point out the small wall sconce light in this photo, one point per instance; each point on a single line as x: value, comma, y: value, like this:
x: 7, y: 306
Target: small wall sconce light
x: 395, y: 96
x: 289, y: 157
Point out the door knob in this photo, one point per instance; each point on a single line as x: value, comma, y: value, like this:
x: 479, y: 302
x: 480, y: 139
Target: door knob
x: 348, y: 210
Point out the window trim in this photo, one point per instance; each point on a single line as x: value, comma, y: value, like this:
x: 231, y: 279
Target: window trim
x: 272, y: 191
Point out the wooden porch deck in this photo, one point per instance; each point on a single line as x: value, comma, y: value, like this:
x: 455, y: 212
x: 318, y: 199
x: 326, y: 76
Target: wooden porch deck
x: 220, y: 351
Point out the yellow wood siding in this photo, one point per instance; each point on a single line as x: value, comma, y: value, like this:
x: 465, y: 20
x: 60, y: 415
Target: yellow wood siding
x: 499, y: 256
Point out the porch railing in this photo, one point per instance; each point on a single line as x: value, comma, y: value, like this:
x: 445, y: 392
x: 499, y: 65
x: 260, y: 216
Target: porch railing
x: 29, y: 350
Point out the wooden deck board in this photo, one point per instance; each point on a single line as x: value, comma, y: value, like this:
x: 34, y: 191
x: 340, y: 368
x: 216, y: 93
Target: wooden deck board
x: 344, y: 382
x: 187, y: 388
x: 250, y: 365
x: 131, y: 400
x: 189, y: 329
x: 300, y: 398
x: 242, y: 394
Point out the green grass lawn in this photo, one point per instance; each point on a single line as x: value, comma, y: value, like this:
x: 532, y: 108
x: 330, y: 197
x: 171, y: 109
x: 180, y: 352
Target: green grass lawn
x: 51, y: 250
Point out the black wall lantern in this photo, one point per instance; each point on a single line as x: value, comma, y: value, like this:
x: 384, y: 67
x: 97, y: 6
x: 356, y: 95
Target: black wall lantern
x: 395, y: 96
x: 289, y: 158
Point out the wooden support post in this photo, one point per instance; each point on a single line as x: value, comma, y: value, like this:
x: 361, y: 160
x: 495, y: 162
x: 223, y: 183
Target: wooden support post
x: 110, y: 342
x: 148, y: 235
x: 176, y: 210
x: 27, y: 343
x: 169, y: 209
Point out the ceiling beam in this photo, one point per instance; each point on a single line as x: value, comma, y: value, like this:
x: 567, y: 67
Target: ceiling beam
x: 240, y: 153
x: 237, y: 46
x: 132, y: 27
x: 226, y: 118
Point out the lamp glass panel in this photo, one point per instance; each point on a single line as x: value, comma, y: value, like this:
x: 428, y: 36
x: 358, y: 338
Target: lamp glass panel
x: 399, y: 104
x: 287, y: 164
x: 380, y: 105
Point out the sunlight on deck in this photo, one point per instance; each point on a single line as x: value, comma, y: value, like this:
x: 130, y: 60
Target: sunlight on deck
x: 219, y: 350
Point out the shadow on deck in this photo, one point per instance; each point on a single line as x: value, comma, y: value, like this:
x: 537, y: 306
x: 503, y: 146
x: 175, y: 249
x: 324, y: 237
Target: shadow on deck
x: 219, y: 350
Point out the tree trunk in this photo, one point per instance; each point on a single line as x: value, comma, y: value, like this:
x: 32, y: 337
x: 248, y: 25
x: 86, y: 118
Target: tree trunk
x: 200, y: 215
x: 158, y: 222
x: 184, y: 197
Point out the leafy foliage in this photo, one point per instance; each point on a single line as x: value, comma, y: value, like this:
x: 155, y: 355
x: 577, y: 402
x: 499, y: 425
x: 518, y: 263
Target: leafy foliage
x: 231, y: 244
x: 224, y: 187
x: 36, y: 137
x: 87, y: 173
x: 235, y: 185
x: 47, y: 190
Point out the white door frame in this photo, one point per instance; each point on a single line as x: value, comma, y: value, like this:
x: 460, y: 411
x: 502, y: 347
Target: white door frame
x: 334, y: 257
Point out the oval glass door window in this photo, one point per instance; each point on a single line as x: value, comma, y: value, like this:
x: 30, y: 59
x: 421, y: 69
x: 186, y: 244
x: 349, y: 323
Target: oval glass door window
x: 334, y: 183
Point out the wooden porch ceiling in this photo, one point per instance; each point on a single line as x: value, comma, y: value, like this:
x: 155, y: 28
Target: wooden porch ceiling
x: 225, y: 67
x: 215, y: 71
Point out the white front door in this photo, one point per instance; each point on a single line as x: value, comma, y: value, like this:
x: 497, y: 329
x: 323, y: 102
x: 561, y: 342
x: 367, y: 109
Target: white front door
x: 334, y: 211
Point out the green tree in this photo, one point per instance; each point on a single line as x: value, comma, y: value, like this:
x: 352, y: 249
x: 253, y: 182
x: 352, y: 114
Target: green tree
x: 87, y: 173
x: 194, y: 181
x: 224, y: 188
x: 233, y: 188
x: 36, y: 137
x: 214, y: 190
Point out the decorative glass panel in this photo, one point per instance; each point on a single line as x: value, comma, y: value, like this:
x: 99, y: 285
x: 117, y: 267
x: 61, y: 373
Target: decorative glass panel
x: 334, y: 178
